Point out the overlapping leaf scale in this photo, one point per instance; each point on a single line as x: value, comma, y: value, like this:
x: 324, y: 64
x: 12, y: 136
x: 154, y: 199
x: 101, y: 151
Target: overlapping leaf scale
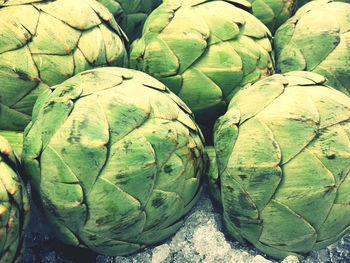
x: 70, y: 140
x: 110, y: 219
x: 56, y: 113
x: 263, y: 11
x: 253, y: 99
x: 291, y: 235
x: 10, y: 210
x: 24, y: 70
x: 286, y: 123
x: 80, y: 15
x: 17, y: 2
x: 336, y: 65
x: 241, y: 180
x: 311, y: 29
x: 161, y: 16
x: 328, y: 154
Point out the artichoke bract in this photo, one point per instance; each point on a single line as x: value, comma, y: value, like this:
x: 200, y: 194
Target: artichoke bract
x: 131, y: 14
x: 45, y: 42
x: 14, y: 206
x: 316, y: 39
x: 273, y: 13
x: 283, y: 157
x: 203, y: 51
x: 115, y: 158
x: 15, y: 139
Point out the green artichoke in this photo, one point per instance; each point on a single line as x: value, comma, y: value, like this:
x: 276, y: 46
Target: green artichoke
x: 273, y: 13
x: 317, y: 39
x: 115, y: 158
x: 14, y: 206
x: 283, y: 157
x: 45, y: 42
x: 131, y: 14
x: 203, y: 51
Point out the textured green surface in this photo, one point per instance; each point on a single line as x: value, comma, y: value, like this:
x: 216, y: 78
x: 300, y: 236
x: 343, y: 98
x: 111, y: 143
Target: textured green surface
x: 316, y: 39
x: 44, y: 43
x: 14, y: 206
x: 115, y: 158
x: 283, y: 157
x: 204, y: 51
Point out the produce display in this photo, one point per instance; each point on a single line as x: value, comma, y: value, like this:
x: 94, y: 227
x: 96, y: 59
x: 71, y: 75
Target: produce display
x: 204, y: 51
x: 120, y: 113
x: 273, y: 13
x: 283, y: 156
x: 317, y: 39
x: 45, y: 42
x: 14, y: 206
x: 131, y: 14
x: 115, y: 159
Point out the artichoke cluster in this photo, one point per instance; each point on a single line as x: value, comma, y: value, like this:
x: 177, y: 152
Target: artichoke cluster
x: 105, y: 104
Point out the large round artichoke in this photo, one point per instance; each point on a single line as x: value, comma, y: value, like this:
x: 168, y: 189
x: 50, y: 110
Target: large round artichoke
x: 273, y: 13
x: 131, y: 14
x: 204, y: 51
x: 45, y: 42
x: 283, y: 155
x: 14, y: 206
x: 317, y: 39
x: 115, y: 159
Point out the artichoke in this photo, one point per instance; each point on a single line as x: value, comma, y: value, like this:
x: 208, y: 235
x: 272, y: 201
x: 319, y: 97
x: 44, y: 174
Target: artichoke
x: 283, y: 157
x: 317, y: 39
x: 14, y: 206
x: 131, y: 14
x: 45, y: 42
x: 115, y: 158
x: 273, y: 13
x: 203, y: 51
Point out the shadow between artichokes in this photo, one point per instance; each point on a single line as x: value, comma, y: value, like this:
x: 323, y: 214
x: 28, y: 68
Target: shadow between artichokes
x: 131, y: 14
x: 115, y: 159
x: 283, y: 158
